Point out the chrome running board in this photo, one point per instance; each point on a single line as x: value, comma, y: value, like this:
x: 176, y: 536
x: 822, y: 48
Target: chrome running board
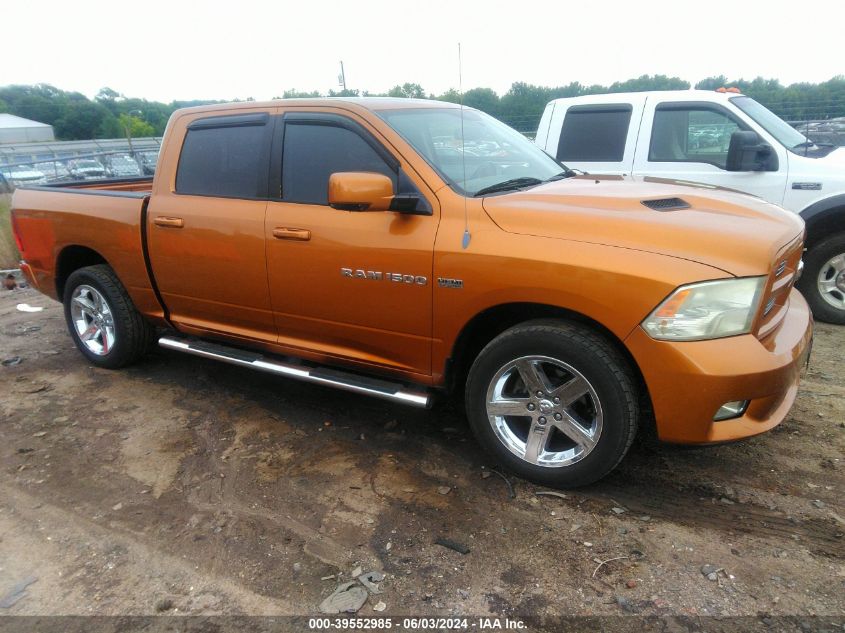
x: 319, y: 375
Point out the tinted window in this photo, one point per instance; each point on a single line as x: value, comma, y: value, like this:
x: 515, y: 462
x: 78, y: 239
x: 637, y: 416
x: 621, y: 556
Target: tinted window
x: 594, y: 134
x: 223, y: 161
x: 313, y: 152
x: 691, y: 134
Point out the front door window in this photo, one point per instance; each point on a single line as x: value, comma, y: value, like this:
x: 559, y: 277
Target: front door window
x: 691, y: 134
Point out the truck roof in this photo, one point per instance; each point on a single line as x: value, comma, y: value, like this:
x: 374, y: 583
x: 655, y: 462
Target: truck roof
x: 369, y: 103
x: 663, y: 95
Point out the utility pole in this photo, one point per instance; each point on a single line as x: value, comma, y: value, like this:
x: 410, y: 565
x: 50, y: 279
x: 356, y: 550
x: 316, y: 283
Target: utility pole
x: 341, y: 78
x: 129, y: 133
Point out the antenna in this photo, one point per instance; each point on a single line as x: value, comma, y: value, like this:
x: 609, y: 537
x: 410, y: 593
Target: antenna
x: 467, y: 236
x: 341, y: 78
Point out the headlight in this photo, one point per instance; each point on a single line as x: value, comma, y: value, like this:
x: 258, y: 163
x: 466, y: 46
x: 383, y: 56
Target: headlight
x: 710, y: 309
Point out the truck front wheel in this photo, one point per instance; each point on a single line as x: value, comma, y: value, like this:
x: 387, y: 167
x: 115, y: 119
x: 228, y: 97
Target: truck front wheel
x: 554, y: 402
x: 823, y: 280
x: 102, y: 320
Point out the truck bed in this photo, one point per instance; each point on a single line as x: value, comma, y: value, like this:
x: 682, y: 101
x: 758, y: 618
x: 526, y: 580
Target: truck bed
x: 117, y: 186
x: 103, y: 220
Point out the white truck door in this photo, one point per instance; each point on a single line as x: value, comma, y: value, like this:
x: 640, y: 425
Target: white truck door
x: 688, y: 140
x: 599, y: 136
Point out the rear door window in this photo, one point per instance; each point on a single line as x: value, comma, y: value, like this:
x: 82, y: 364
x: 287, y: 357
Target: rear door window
x: 225, y: 157
x: 594, y: 133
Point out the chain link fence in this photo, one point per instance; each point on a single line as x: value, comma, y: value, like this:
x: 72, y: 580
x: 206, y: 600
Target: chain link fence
x: 73, y: 161
x: 826, y: 132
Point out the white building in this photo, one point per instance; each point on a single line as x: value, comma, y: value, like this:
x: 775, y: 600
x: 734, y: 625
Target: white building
x: 14, y: 129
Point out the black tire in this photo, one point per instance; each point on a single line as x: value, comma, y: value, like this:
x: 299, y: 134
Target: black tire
x: 133, y: 334
x: 814, y: 259
x: 597, y: 361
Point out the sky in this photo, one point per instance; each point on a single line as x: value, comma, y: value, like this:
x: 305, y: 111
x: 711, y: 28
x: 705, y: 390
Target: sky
x: 179, y: 50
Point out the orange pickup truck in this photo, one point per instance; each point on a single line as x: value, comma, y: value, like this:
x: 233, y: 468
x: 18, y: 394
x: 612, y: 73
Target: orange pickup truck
x: 403, y: 248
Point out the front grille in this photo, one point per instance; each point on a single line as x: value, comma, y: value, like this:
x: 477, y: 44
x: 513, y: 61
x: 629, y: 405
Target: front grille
x: 769, y: 306
x: 782, y: 278
x: 666, y: 204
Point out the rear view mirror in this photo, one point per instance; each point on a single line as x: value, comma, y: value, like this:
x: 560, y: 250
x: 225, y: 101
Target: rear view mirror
x: 360, y: 191
x: 747, y: 152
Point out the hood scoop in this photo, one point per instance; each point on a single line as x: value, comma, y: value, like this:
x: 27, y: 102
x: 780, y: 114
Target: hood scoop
x: 666, y: 204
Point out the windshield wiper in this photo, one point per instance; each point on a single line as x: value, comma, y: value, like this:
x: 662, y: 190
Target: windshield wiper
x: 567, y: 173
x: 508, y: 185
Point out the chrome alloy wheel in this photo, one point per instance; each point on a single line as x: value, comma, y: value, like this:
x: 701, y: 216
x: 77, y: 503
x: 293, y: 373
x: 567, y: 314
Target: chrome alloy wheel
x: 831, y: 281
x: 544, y: 411
x: 92, y: 319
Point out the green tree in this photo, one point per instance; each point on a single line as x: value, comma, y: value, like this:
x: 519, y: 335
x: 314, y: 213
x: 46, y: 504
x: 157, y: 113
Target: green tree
x: 40, y: 102
x: 348, y: 92
x: 296, y: 94
x: 649, y: 82
x: 80, y: 119
x: 110, y: 128
x: 74, y: 116
x: 109, y: 98
x: 134, y: 126
x: 483, y: 99
x: 407, y: 90
x: 154, y: 113
x: 451, y: 95
x: 712, y: 83
x: 521, y: 106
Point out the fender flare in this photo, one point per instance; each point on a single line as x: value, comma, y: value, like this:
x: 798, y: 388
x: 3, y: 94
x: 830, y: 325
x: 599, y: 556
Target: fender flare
x: 824, y: 217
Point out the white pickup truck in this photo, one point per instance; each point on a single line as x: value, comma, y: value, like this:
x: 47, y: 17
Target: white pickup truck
x: 722, y: 139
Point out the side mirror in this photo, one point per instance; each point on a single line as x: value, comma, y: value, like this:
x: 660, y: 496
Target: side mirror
x: 747, y: 152
x: 360, y: 191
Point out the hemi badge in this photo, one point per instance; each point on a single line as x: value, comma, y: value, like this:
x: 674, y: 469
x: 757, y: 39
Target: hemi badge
x: 807, y: 186
x: 445, y: 282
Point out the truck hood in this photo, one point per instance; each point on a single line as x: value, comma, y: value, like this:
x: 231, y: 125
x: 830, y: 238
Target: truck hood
x: 736, y: 233
x: 831, y: 164
x: 836, y: 157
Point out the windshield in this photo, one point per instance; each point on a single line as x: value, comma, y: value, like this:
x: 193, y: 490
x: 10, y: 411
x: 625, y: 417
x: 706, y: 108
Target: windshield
x: 784, y: 133
x: 491, y: 152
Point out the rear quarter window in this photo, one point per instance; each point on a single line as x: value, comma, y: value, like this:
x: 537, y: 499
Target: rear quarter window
x: 227, y: 161
x: 594, y: 133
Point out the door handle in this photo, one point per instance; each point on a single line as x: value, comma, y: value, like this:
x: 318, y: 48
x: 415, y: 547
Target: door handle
x: 174, y: 223
x: 283, y: 233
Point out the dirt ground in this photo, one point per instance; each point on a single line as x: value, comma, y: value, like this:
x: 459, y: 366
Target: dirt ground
x: 188, y: 486
x: 9, y: 256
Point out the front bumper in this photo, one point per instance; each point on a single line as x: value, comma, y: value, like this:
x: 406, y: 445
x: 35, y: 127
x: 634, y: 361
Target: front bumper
x: 689, y: 381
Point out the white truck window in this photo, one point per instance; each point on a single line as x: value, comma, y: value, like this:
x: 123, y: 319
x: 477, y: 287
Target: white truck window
x: 693, y: 133
x: 594, y: 133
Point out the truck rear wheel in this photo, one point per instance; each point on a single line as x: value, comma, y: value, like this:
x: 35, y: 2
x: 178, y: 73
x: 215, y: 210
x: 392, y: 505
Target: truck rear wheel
x: 102, y: 320
x: 823, y: 280
x: 554, y: 402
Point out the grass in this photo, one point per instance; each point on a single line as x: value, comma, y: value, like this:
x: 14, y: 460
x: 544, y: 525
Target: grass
x: 9, y: 256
